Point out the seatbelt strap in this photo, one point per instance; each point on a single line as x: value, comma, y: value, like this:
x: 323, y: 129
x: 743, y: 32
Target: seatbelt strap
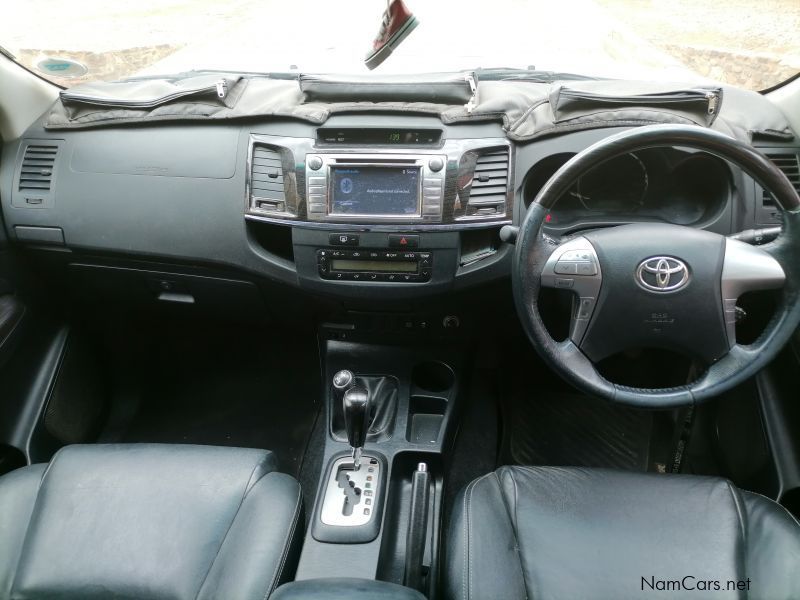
x: 683, y: 440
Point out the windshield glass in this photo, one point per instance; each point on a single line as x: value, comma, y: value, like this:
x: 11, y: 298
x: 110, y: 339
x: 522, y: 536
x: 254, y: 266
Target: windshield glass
x: 753, y: 44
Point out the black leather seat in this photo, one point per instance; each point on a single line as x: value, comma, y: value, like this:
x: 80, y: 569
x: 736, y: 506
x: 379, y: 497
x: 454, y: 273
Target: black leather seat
x: 148, y: 521
x: 547, y: 532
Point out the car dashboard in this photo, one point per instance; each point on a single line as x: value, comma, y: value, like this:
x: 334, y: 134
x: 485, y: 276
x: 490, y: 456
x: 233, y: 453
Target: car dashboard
x: 368, y: 206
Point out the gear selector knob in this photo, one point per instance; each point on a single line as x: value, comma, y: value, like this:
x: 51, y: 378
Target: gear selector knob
x: 342, y: 381
x: 356, y: 407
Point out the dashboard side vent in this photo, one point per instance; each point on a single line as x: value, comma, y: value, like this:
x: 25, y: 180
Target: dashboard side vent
x: 788, y: 162
x: 38, y: 165
x: 266, y: 180
x: 489, y: 188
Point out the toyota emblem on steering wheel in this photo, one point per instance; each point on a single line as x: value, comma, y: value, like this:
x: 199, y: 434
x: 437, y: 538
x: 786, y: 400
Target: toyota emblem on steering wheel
x: 662, y: 274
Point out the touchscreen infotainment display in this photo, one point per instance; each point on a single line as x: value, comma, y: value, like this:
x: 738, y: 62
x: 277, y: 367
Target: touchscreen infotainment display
x: 390, y: 191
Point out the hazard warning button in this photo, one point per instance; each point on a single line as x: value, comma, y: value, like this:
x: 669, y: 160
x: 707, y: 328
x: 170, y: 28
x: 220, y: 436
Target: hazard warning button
x: 399, y: 240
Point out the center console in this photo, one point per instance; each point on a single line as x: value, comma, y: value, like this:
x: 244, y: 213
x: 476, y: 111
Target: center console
x: 389, y: 415
x: 386, y: 212
x: 386, y: 225
x: 378, y: 218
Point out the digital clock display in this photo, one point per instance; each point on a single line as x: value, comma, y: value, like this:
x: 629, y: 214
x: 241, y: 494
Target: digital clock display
x: 378, y: 136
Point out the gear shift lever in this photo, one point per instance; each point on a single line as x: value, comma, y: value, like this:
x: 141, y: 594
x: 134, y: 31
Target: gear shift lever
x: 356, y: 420
x: 356, y: 407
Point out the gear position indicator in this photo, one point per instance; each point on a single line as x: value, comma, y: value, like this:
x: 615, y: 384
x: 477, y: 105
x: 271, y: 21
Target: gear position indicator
x: 351, y: 493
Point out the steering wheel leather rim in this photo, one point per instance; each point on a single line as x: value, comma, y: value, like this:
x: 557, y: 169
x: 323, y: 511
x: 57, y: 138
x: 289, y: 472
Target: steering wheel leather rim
x: 533, y: 248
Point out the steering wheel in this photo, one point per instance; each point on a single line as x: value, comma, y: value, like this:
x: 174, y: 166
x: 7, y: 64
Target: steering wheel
x: 654, y: 285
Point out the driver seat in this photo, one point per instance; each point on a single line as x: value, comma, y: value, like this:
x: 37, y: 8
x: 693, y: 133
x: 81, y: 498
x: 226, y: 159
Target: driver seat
x: 550, y: 532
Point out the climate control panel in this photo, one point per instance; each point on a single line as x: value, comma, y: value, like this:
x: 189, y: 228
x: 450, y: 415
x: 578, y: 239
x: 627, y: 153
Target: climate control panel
x: 374, y: 265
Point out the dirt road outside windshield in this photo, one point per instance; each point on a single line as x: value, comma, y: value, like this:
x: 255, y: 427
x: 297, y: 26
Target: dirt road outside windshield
x: 753, y: 44
x: 748, y: 43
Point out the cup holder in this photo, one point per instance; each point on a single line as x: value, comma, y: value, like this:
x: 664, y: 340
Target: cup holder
x: 433, y: 376
x: 426, y: 414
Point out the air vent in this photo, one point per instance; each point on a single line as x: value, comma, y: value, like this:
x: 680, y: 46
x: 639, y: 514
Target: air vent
x: 38, y: 164
x: 787, y: 163
x: 489, y: 184
x: 266, y: 181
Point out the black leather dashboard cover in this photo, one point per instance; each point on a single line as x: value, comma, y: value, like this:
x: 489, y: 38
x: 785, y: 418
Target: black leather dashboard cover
x: 527, y: 110
x: 444, y: 88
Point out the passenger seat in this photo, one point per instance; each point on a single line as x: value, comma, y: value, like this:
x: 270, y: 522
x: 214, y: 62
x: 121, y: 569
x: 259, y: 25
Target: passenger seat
x: 149, y: 521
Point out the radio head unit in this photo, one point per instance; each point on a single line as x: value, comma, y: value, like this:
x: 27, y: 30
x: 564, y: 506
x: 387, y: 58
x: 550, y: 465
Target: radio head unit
x: 374, y: 191
x: 375, y: 187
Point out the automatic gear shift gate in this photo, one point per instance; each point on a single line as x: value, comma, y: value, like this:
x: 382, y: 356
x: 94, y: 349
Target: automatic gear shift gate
x: 351, y: 494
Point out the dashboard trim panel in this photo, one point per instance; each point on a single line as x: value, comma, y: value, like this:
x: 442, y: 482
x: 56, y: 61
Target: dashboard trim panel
x: 294, y: 151
x: 381, y: 227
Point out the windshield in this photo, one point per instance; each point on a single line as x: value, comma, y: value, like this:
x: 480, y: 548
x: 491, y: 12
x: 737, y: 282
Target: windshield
x: 753, y: 44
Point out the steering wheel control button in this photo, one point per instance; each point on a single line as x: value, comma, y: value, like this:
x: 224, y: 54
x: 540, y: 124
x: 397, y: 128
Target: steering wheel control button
x: 397, y: 240
x: 575, y: 258
x: 662, y: 274
x: 585, y: 307
x: 576, y: 262
x: 576, y: 255
x: 566, y: 268
x: 315, y: 163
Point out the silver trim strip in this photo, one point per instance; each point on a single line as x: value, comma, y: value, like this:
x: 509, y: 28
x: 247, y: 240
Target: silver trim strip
x: 333, y: 500
x: 745, y: 268
x: 365, y: 227
x: 586, y: 288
